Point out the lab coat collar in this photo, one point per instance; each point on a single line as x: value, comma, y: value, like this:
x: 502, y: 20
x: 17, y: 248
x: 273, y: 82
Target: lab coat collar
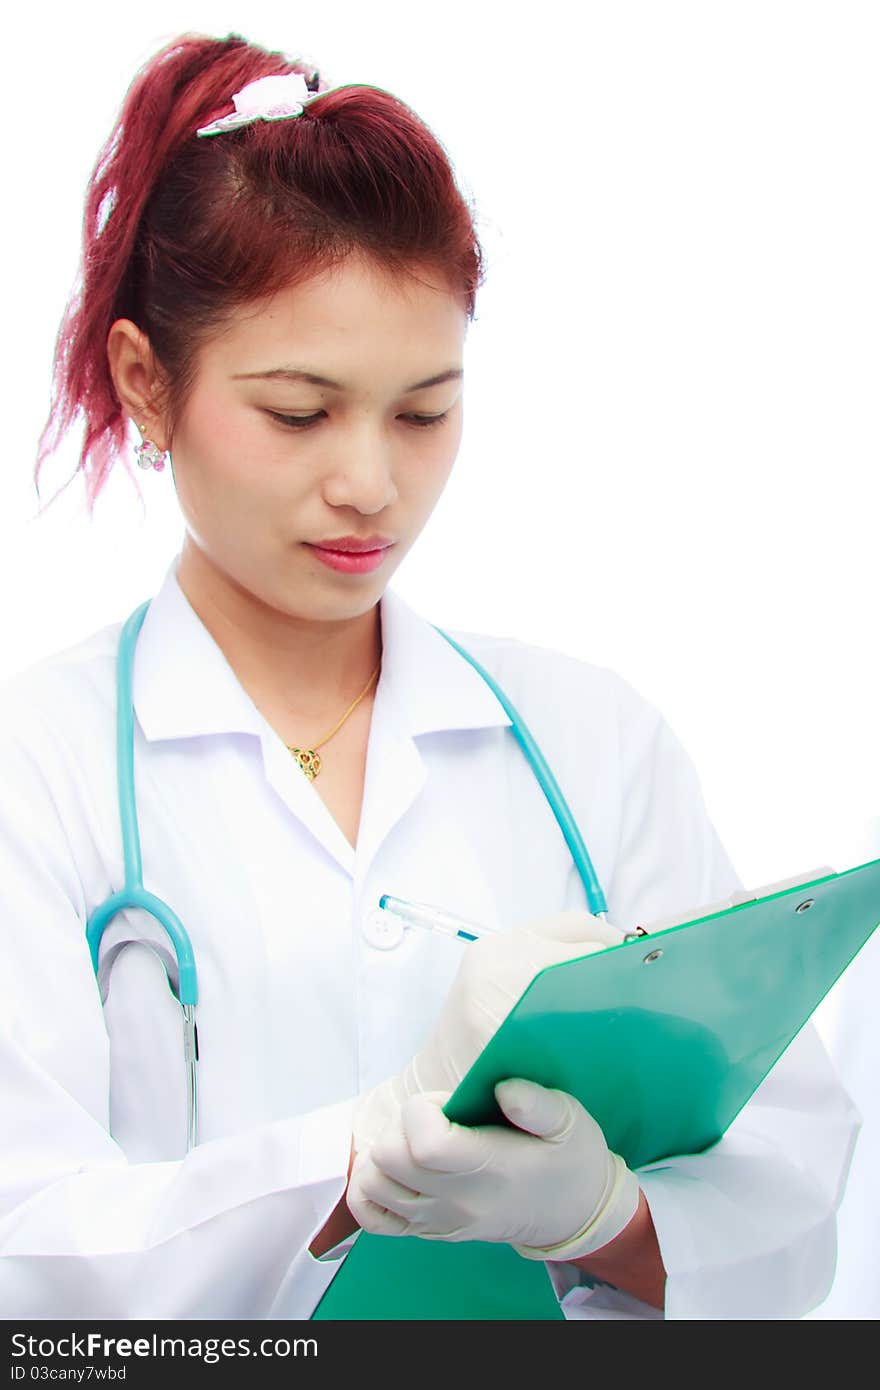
x: 183, y: 686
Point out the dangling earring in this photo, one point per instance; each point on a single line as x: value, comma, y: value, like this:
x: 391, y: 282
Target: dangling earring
x: 148, y: 454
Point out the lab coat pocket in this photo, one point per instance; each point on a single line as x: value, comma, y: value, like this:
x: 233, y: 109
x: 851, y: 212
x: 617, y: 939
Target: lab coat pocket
x: 148, y: 1094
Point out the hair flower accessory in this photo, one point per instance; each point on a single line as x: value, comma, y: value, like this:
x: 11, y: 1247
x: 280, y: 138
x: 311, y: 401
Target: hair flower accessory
x: 274, y: 98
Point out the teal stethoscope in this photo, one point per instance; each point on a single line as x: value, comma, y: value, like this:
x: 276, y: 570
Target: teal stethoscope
x: 181, y: 968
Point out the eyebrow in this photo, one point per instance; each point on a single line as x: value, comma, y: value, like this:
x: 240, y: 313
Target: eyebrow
x: 295, y: 374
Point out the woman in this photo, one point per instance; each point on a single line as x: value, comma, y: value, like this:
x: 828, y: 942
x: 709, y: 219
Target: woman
x: 278, y: 295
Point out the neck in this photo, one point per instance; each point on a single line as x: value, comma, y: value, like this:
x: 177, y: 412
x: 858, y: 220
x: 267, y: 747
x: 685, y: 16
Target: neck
x: 310, y: 669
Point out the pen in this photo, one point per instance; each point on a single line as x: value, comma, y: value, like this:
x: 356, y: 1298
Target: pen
x: 435, y: 919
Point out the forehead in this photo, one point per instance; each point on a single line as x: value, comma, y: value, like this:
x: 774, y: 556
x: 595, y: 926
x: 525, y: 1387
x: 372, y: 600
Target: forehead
x: 353, y: 319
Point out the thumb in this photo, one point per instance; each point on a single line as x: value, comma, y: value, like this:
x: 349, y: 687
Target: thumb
x: 574, y: 925
x: 539, y: 1110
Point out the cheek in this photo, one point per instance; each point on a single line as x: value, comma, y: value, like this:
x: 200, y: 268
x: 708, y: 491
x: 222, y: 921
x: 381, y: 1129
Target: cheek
x: 438, y: 448
x: 441, y: 462
x: 217, y: 476
x: 421, y: 479
x: 226, y: 440
x: 223, y: 452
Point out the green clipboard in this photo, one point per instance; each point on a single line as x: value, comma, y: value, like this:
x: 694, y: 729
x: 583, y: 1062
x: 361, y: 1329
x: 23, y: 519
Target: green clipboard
x: 663, y: 1039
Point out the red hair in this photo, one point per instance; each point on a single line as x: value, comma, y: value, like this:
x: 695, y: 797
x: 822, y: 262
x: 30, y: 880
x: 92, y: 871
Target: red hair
x: 180, y: 230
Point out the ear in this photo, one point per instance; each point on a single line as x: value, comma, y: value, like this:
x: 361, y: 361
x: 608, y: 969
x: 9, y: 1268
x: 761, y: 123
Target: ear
x: 135, y: 378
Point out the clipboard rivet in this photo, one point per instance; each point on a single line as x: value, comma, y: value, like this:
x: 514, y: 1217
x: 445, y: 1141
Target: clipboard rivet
x: 651, y: 957
x: 802, y: 907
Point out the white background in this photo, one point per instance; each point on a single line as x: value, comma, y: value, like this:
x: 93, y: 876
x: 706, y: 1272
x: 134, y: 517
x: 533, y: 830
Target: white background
x: 669, y: 463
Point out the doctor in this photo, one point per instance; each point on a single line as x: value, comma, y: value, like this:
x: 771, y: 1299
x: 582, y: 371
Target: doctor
x: 304, y: 742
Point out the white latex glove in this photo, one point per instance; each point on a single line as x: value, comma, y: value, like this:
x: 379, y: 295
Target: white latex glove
x: 551, y: 1187
x: 493, y: 974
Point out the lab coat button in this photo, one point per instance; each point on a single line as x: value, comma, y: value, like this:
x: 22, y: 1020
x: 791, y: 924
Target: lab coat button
x: 383, y: 930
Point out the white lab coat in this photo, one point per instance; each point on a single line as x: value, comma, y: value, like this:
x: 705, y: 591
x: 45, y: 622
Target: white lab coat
x: 102, y: 1215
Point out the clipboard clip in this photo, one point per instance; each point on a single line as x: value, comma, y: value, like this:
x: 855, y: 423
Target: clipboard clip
x: 740, y: 898
x: 634, y: 934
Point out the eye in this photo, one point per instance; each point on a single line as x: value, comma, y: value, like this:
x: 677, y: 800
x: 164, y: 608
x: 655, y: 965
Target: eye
x: 294, y: 421
x: 425, y: 421
x: 301, y: 422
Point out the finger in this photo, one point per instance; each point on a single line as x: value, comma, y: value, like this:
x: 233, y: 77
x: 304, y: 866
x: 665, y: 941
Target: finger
x: 385, y: 1207
x: 377, y: 1187
x: 540, y: 1110
x: 419, y: 1215
x: 376, y: 1221
x: 435, y: 1143
x: 575, y: 925
x: 460, y: 1233
x: 371, y: 1215
x: 391, y: 1155
x: 393, y: 1133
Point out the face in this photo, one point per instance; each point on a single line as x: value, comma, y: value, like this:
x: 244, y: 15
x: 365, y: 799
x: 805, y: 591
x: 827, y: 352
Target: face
x: 266, y: 466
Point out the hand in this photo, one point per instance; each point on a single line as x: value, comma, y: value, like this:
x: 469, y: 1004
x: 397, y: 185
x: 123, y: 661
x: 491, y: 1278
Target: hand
x: 550, y: 1187
x: 494, y: 972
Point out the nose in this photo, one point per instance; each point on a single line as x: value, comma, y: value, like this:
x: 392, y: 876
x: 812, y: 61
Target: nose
x: 362, y: 475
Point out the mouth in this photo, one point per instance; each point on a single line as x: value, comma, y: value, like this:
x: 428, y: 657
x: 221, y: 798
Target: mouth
x: 350, y: 561
x: 353, y: 545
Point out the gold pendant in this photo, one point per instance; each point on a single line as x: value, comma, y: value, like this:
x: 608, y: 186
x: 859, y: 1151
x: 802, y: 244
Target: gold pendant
x: 309, y: 761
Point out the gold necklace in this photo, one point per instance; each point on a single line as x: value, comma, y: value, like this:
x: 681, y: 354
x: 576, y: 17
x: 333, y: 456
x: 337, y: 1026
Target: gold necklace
x: 307, y: 758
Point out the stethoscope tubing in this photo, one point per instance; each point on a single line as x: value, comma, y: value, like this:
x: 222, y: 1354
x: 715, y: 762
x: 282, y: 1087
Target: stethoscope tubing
x: 550, y: 787
x: 134, y: 895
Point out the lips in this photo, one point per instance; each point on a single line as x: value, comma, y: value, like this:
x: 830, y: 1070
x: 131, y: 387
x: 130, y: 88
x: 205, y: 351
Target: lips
x: 351, y: 561
x: 353, y: 545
